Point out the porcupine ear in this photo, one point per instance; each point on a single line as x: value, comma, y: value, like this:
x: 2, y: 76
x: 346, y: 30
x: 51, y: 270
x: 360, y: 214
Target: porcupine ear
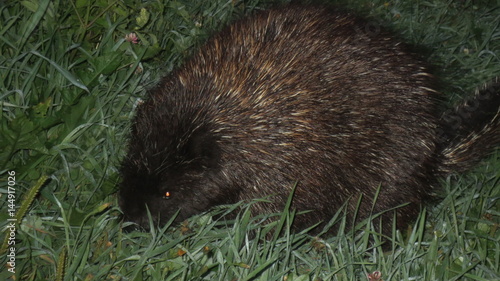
x: 201, y: 150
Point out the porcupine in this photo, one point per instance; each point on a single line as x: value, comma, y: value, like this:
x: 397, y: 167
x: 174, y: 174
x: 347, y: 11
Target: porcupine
x: 300, y: 97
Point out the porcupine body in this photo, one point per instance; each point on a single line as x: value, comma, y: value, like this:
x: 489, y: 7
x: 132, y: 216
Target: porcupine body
x: 298, y: 96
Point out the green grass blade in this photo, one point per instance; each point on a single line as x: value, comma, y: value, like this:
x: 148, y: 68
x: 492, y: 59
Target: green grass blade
x: 63, y: 71
x: 35, y: 20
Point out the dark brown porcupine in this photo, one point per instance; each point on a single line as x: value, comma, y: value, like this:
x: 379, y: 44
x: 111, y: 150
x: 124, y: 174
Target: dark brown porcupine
x: 297, y: 95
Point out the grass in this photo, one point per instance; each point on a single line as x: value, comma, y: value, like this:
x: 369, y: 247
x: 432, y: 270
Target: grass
x: 69, y: 84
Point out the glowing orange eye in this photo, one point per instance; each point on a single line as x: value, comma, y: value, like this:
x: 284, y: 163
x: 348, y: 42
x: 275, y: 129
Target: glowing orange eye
x: 167, y: 195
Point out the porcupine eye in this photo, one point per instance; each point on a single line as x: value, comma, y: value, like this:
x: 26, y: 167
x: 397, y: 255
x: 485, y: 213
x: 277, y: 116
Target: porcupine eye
x: 166, y: 195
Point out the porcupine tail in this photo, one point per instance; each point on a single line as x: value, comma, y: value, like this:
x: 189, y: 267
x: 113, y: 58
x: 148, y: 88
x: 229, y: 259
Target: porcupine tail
x: 471, y: 130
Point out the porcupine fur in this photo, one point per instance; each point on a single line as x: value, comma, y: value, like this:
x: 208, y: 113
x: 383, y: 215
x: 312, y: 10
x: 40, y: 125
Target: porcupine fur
x: 302, y: 96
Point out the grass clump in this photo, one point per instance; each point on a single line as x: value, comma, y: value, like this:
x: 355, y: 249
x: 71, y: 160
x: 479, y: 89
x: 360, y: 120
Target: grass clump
x: 71, y: 73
